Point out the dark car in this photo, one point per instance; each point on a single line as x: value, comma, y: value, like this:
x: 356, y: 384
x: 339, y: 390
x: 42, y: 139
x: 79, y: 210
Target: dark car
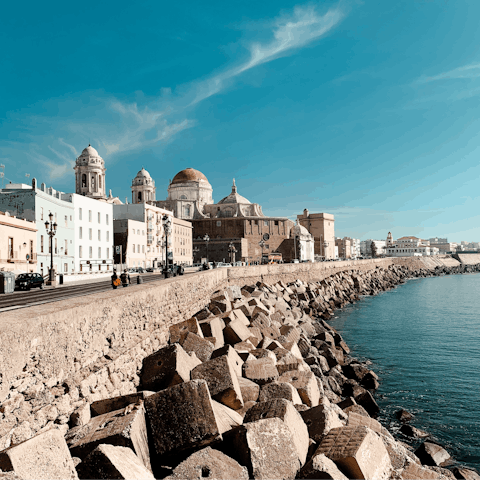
x: 26, y: 281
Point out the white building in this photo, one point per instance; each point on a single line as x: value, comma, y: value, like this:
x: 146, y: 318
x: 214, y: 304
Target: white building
x: 411, y: 247
x: 366, y: 247
x: 304, y: 243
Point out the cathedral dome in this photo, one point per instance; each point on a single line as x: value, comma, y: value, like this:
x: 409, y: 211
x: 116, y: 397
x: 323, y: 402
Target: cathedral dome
x: 234, y: 197
x: 89, y: 156
x: 90, y: 151
x: 142, y: 178
x: 189, y: 175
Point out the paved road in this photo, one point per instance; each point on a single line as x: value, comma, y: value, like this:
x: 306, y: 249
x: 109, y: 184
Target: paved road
x: 22, y: 299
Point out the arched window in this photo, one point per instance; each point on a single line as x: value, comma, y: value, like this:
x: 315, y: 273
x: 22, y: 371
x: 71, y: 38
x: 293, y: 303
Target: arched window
x: 187, y: 211
x: 139, y: 197
x: 100, y: 181
x: 93, y: 182
x: 183, y: 197
x: 84, y: 180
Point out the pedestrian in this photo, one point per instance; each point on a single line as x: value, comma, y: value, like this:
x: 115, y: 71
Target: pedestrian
x: 125, y: 278
x: 115, y: 280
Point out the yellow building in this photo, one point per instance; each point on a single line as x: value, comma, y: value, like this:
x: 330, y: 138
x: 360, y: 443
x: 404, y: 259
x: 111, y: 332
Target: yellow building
x: 18, y: 244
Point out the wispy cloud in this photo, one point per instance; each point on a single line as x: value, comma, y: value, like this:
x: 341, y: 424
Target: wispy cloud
x: 467, y: 71
x: 289, y: 33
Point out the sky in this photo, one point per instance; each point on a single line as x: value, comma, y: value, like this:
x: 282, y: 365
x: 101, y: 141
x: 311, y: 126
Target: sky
x: 368, y: 110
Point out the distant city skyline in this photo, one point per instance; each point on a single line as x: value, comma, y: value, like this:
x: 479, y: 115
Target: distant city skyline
x: 366, y: 110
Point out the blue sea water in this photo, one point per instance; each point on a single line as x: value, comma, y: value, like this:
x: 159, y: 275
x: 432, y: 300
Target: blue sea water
x: 423, y: 339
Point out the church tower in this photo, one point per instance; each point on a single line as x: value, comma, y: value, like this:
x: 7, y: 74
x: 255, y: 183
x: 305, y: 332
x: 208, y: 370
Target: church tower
x: 389, y: 241
x: 143, y: 188
x: 90, y: 174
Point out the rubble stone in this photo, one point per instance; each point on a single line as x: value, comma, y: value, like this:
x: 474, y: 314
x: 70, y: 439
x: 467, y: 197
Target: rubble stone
x: 179, y: 330
x: 279, y: 390
x: 116, y: 403
x: 226, y: 417
x: 432, y: 454
x: 250, y: 390
x: 260, y: 371
x: 356, y: 419
x: 236, y: 332
x: 306, y: 385
x: 321, y: 419
x: 108, y: 461
x: 202, y: 348
x: 321, y: 467
x: 44, y: 456
x: 213, y: 328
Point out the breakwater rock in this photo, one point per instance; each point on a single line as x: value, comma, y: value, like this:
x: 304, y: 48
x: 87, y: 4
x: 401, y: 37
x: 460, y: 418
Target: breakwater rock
x: 256, y: 384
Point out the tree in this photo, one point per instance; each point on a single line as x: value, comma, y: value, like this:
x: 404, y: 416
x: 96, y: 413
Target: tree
x: 373, y: 249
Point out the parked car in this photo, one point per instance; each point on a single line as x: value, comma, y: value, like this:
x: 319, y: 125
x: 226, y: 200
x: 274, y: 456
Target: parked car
x: 26, y: 281
x: 141, y: 270
x: 149, y: 269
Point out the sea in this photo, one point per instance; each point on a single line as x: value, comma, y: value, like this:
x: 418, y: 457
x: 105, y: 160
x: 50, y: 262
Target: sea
x: 423, y: 340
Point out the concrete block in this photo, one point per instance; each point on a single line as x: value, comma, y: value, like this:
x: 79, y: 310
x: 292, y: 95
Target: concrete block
x: 260, y: 320
x: 108, y: 461
x: 321, y: 467
x: 222, y: 381
x: 44, y: 456
x: 358, y: 452
x: 213, y: 327
x: 306, y: 385
x: 179, y: 330
x: 202, y: 348
x: 320, y: 420
x: 116, y: 428
x: 232, y: 355
x: 283, y: 409
x: 209, y: 463
x: 116, y: 403
x: 260, y: 371
x: 250, y: 390
x: 265, y: 447
x: 290, y: 333
x: 226, y: 417
x: 366, y: 400
x: 283, y: 390
x: 181, y: 417
x: 240, y: 314
x: 247, y: 406
x: 414, y: 471
x: 432, y: 454
x: 289, y: 362
x: 81, y: 415
x: 259, y: 353
x: 271, y: 332
x: 166, y: 367
x: 244, y: 347
x: 235, y: 332
x: 356, y: 419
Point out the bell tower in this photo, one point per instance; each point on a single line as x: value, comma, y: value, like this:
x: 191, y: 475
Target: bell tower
x: 90, y: 174
x: 143, y: 188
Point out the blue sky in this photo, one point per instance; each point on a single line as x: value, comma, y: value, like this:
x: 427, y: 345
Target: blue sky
x: 365, y: 109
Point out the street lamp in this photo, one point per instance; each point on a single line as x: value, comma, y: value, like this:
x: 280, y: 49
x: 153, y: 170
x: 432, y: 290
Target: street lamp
x: 51, y: 233
x: 232, y: 250
x: 195, y: 251
x: 206, y: 239
x: 167, y: 226
x: 262, y: 244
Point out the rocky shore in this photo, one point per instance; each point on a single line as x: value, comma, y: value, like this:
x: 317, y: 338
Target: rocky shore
x: 255, y: 385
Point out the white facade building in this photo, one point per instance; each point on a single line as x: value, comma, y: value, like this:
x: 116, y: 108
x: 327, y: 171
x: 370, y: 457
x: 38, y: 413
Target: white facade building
x: 411, y: 247
x: 304, y: 243
x: 366, y: 247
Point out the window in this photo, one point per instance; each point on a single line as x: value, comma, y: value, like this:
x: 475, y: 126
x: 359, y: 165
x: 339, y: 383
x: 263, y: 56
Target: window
x: 90, y: 252
x: 41, y: 213
x: 138, y: 232
x: 108, y: 236
x: 56, y: 250
x: 187, y: 211
x: 100, y: 181
x: 99, y: 252
x: 98, y: 216
x: 65, y: 267
x: 276, y: 222
x: 79, y: 213
x: 41, y: 243
x: 70, y: 218
x: 89, y: 233
x: 108, y: 253
x: 89, y: 215
x: 31, y: 249
x: 80, y: 251
x: 133, y: 248
x: 143, y: 248
x: 66, y: 220
x: 84, y: 180
x: 80, y: 233
x: 106, y: 219
x: 219, y: 223
x: 265, y: 223
x: 93, y: 183
x: 10, y: 248
x: 138, y: 248
x: 139, y: 197
x: 66, y: 247
x: 255, y: 222
x: 99, y: 235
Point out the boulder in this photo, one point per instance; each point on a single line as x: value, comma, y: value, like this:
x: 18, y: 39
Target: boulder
x: 413, y: 432
x: 404, y: 416
x: 432, y: 454
x: 179, y: 330
x: 222, y: 381
x: 321, y: 419
x: 226, y: 417
x: 43, y: 457
x: 208, y: 463
x: 306, y: 385
x: 465, y: 473
x: 116, y: 403
x: 356, y: 419
x: 108, y: 461
x: 181, y: 417
x: 265, y: 447
x: 366, y: 400
x: 250, y: 390
x: 166, y: 367
x: 357, y: 451
x: 283, y: 409
x: 321, y: 467
x: 213, y: 328
x: 232, y: 355
x: 116, y: 428
x: 260, y: 371
x: 236, y: 332
x: 279, y: 390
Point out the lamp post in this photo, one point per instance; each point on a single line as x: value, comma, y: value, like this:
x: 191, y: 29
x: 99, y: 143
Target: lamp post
x: 206, y: 239
x: 51, y: 228
x: 195, y: 251
x: 232, y: 250
x: 262, y: 244
x: 167, y: 222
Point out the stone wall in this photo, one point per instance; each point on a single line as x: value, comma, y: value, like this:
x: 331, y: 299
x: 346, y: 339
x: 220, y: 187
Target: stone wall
x: 60, y: 339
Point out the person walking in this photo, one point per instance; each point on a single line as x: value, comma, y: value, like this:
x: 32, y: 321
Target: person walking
x: 125, y: 278
x: 115, y: 280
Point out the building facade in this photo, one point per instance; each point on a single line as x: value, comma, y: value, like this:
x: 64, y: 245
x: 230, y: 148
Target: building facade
x: 366, y: 247
x: 344, y: 247
x: 322, y: 227
x: 411, y: 247
x: 18, y: 244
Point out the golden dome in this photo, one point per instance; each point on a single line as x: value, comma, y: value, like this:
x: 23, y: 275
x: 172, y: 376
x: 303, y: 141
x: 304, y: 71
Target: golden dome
x: 189, y: 175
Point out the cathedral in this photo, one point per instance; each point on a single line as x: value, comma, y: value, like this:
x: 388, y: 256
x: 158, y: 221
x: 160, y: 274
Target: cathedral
x: 232, y: 228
